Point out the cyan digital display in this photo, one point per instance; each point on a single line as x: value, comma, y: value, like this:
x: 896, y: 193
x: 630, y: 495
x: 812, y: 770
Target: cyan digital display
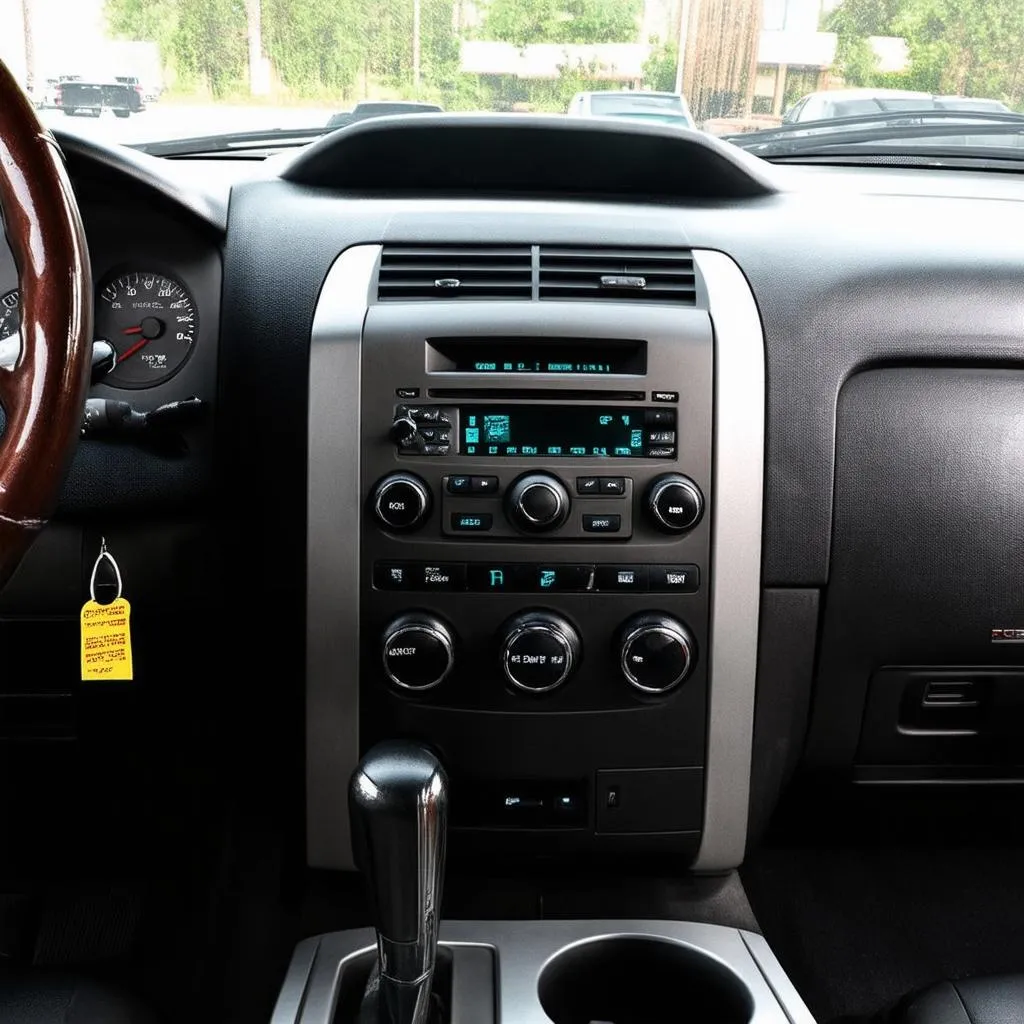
x: 550, y: 430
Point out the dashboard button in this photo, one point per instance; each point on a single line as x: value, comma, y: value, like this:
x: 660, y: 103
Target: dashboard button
x: 418, y: 651
x: 588, y: 485
x: 443, y: 576
x: 682, y: 579
x: 459, y: 484
x: 554, y: 578
x: 602, y: 524
x: 395, y: 575
x: 664, y: 396
x: 657, y: 453
x: 435, y: 449
x: 401, y: 501
x: 407, y: 392
x: 660, y: 417
x: 471, y: 522
x: 657, y: 436
x: 612, y: 484
x: 621, y: 577
x: 490, y: 579
x: 483, y: 484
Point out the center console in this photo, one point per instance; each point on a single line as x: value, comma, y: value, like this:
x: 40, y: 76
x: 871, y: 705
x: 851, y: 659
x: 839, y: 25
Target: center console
x: 534, y: 543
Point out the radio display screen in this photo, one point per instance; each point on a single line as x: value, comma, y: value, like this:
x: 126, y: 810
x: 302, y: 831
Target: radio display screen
x: 551, y: 430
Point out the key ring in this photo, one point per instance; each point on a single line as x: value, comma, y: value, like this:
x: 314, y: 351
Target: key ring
x: 104, y: 553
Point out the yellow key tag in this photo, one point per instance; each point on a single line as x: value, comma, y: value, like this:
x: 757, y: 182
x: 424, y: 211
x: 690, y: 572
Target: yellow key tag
x: 106, y: 631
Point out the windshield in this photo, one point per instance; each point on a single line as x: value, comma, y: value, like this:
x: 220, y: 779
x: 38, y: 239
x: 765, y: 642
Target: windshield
x: 278, y: 72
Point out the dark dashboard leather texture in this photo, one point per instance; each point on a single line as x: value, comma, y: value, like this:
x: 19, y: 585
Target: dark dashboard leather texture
x: 30, y: 997
x: 998, y: 1000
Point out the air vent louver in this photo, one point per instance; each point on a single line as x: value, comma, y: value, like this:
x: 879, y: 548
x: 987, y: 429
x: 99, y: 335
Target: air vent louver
x: 414, y: 273
x: 623, y: 275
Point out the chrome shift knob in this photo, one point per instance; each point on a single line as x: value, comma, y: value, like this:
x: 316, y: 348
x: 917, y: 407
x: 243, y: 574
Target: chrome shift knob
x: 398, y: 805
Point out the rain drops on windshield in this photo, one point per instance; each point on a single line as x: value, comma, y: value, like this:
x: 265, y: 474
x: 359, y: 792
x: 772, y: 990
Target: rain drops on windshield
x: 134, y: 71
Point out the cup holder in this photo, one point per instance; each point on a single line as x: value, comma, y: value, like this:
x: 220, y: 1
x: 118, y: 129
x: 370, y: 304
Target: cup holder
x: 635, y: 979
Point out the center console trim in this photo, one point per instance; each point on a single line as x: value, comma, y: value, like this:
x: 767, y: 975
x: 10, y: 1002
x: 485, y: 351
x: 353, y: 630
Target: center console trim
x: 333, y: 570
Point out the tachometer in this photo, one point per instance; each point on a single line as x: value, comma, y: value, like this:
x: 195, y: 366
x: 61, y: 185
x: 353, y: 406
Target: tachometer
x: 152, y: 322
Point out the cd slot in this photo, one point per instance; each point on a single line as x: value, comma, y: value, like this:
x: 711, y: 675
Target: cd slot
x: 555, y: 357
x: 540, y: 394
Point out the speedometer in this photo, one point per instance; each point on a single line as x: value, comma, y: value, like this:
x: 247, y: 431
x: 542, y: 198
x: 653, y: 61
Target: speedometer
x: 152, y: 323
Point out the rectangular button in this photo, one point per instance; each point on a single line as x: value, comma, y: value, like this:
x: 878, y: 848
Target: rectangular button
x: 493, y: 579
x: 588, y: 485
x: 612, y: 485
x: 554, y: 578
x: 396, y: 575
x: 621, y: 577
x: 443, y: 576
x: 684, y: 579
x: 483, y: 484
x: 407, y: 392
x: 428, y: 415
x: 661, y: 437
x: 459, y: 484
x: 435, y: 449
x: 602, y: 524
x: 471, y: 522
x: 660, y: 453
x: 664, y: 396
x: 660, y: 417
x: 430, y: 434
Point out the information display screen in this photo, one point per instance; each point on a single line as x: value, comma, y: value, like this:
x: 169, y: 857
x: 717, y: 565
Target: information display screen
x: 550, y: 430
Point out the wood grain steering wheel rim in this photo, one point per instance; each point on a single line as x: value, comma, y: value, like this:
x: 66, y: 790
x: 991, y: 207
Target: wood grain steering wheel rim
x: 44, y: 393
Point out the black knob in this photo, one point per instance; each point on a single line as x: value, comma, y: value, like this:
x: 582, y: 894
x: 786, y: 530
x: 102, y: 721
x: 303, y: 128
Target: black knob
x: 656, y: 652
x: 404, y: 432
x: 539, y: 651
x: 418, y: 651
x: 675, y: 503
x: 537, y: 502
x: 401, y: 501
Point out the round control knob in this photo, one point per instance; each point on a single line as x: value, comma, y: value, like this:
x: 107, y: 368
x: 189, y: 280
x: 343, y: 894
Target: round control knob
x: 656, y: 653
x: 539, y: 651
x: 401, y: 501
x: 537, y: 502
x: 418, y: 651
x: 675, y: 503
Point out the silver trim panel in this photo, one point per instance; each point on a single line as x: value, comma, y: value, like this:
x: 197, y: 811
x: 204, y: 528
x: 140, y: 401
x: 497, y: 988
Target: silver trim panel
x: 737, y: 515
x: 332, y: 554
x: 522, y: 948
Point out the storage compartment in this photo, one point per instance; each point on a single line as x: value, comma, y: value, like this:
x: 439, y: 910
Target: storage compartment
x: 636, y: 979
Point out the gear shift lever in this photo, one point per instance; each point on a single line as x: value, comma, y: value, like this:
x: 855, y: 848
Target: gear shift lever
x: 398, y: 805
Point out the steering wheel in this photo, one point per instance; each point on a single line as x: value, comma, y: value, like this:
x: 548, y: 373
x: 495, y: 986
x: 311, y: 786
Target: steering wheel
x: 44, y: 393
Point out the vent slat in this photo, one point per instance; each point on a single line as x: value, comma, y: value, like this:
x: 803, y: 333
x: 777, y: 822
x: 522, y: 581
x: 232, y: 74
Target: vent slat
x: 482, y: 272
x: 569, y: 273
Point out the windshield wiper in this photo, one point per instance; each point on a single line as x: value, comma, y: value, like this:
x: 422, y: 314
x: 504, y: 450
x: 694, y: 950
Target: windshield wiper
x: 814, y: 137
x: 231, y: 142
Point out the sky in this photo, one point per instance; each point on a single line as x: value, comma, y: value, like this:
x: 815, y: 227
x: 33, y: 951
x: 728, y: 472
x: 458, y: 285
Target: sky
x: 66, y: 33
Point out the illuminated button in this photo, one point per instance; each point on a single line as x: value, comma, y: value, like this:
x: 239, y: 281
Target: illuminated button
x: 471, y: 522
x: 621, y: 577
x: 602, y: 524
x: 459, y: 484
x: 554, y: 578
x: 395, y: 575
x: 443, y: 576
x: 495, y: 579
x: 483, y: 484
x: 683, y: 579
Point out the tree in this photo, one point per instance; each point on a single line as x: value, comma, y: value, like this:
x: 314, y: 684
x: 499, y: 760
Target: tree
x: 210, y: 44
x: 562, y: 21
x: 660, y: 67
x: 966, y: 47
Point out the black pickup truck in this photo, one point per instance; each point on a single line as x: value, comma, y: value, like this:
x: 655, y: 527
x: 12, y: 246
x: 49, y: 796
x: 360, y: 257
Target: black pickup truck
x: 90, y: 98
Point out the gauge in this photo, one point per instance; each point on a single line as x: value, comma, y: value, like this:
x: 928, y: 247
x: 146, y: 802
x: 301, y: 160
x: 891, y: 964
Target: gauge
x: 151, y: 321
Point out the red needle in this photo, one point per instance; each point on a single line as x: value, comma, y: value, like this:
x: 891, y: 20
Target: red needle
x: 132, y: 330
x: 131, y: 351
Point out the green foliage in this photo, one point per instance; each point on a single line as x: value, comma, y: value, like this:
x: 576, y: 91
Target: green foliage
x: 562, y: 21
x: 209, y: 44
x: 965, y: 47
x: 660, y: 67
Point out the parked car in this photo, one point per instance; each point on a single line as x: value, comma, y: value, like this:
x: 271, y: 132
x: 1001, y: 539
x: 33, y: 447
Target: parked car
x: 381, y: 108
x: 90, y: 98
x: 637, y: 105
x: 824, y: 106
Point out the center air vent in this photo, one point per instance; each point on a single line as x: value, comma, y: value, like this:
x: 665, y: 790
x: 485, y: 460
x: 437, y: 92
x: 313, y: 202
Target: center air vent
x: 622, y: 275
x: 413, y: 272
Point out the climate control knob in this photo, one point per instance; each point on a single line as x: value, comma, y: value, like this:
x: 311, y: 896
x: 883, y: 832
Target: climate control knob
x: 656, y: 653
x: 537, y: 502
x: 674, y: 503
x: 418, y: 651
x: 539, y: 651
x: 401, y: 501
